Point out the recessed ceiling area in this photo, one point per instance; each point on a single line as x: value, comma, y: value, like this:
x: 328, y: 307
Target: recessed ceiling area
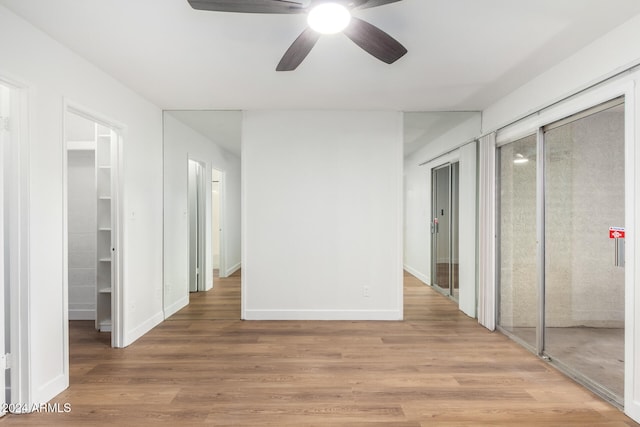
x: 463, y: 55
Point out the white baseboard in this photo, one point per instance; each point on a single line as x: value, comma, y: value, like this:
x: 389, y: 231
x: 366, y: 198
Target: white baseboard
x: 423, y: 278
x: 393, y: 315
x: 233, y: 269
x: 50, y: 390
x: 131, y: 336
x: 79, y: 314
x: 176, y: 306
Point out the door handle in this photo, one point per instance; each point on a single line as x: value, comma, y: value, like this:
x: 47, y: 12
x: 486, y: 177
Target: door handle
x: 619, y: 252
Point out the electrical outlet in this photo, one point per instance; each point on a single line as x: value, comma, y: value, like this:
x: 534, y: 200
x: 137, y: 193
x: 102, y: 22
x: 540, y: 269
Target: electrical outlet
x: 365, y: 291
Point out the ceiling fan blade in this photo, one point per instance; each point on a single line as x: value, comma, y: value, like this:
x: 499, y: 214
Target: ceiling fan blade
x: 252, y: 6
x: 298, y: 50
x: 375, y: 41
x: 367, y: 4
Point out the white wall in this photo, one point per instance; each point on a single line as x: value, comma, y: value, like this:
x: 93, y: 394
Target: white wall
x: 613, y: 52
x: 52, y: 73
x: 322, y: 206
x: 182, y: 143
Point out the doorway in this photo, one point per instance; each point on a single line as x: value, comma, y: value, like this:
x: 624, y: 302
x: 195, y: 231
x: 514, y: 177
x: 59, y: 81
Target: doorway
x: 217, y: 253
x: 197, y: 228
x: 444, y: 229
x: 92, y: 225
x: 564, y: 298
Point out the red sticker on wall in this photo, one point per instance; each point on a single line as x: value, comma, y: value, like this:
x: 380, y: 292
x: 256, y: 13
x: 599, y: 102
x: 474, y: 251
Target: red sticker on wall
x: 616, y: 232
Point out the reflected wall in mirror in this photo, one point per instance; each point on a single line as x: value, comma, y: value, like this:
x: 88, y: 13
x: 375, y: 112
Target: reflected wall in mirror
x: 210, y: 139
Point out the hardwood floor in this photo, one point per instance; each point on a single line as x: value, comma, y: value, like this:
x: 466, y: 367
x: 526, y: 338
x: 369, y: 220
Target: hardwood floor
x: 205, y: 367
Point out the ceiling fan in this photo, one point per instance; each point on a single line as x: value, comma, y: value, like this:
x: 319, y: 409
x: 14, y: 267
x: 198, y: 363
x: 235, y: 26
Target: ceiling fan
x: 369, y: 37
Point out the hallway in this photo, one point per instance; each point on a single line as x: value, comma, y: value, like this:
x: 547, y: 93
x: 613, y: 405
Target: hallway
x: 204, y: 366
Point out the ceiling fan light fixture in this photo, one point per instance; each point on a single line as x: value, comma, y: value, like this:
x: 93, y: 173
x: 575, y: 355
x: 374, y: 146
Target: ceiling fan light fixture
x: 520, y: 159
x: 329, y: 18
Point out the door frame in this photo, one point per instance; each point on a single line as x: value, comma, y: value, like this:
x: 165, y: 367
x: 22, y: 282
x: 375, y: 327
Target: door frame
x: 222, y: 269
x: 117, y: 239
x: 4, y: 133
x: 18, y: 303
x: 203, y: 226
x: 625, y: 85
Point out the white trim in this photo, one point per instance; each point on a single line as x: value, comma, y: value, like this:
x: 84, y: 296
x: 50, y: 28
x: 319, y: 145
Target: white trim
x: 81, y: 314
x: 632, y: 264
x: 117, y: 237
x: 391, y: 315
x: 19, y: 240
x: 400, y: 223
x: 243, y: 225
x: 233, y: 269
x: 132, y: 335
x: 65, y: 244
x: 176, y: 306
x: 3, y: 304
x: 418, y: 275
x: 52, y: 388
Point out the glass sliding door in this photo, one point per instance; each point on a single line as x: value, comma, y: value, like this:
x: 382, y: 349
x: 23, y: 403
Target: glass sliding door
x: 563, y: 296
x: 444, y: 229
x: 517, y: 271
x: 584, y: 289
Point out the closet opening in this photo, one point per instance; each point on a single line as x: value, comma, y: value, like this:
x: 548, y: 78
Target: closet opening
x: 93, y: 256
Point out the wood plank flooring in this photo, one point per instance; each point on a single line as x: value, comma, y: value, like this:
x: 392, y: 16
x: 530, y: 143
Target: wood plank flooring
x: 205, y: 367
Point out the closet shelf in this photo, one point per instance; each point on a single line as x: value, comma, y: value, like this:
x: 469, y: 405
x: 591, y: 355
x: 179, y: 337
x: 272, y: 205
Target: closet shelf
x: 104, y: 290
x: 81, y: 145
x: 105, y: 259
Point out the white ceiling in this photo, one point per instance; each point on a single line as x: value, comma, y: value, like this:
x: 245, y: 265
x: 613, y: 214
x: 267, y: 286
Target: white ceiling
x: 422, y: 128
x: 222, y: 127
x: 463, y: 54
